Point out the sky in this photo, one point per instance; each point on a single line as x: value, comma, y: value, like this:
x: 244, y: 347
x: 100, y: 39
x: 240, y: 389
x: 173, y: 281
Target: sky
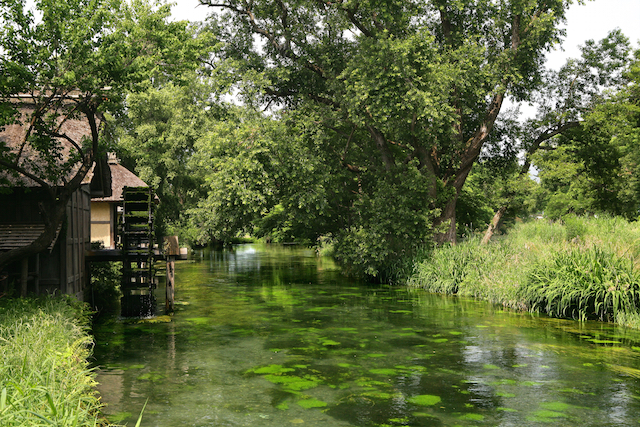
x: 592, y: 20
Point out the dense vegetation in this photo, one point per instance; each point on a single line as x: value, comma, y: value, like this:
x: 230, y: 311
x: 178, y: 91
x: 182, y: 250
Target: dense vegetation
x: 45, y: 378
x: 579, y: 267
x: 374, y: 127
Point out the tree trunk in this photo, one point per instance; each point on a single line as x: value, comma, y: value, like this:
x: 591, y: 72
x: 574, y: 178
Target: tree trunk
x: 447, y: 219
x: 494, y: 224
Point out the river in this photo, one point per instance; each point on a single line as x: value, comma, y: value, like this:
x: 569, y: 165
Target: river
x: 275, y: 336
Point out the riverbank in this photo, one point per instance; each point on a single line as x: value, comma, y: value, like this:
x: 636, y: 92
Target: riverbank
x: 45, y: 377
x: 582, y: 268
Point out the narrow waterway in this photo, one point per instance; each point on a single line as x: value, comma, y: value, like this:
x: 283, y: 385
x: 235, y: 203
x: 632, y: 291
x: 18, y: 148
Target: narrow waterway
x: 274, y: 336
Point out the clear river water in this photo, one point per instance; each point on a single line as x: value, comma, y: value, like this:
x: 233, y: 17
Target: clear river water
x: 275, y: 336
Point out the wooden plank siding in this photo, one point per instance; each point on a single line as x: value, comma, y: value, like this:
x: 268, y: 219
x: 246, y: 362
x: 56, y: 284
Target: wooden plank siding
x: 62, y: 267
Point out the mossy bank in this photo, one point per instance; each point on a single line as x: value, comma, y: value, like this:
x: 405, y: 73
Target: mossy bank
x: 45, y: 378
x: 580, y: 267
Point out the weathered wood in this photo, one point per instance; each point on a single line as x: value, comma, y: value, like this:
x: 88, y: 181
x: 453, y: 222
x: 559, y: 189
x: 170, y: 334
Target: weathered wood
x: 24, y: 277
x: 14, y: 236
x: 170, y: 288
x: 494, y: 225
x: 171, y: 246
x: 171, y: 250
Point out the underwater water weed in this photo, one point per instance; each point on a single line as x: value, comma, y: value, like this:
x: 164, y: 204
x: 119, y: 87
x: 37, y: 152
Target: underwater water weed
x: 588, y: 283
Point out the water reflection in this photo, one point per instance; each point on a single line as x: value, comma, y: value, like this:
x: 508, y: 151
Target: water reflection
x: 272, y: 336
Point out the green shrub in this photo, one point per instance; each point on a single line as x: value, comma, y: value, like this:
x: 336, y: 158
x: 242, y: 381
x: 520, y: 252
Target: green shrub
x: 574, y: 227
x: 588, y: 283
x: 448, y: 267
x: 393, y: 223
x: 105, y: 290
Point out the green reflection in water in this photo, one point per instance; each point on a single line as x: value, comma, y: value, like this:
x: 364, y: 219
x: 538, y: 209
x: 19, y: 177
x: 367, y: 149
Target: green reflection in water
x: 273, y: 336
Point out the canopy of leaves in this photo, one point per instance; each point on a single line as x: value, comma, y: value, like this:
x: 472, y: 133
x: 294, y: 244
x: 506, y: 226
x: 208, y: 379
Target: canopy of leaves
x: 401, y: 96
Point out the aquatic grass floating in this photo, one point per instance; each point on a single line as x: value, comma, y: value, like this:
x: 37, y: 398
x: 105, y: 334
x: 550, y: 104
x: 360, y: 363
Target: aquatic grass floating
x: 425, y: 400
x: 471, y: 417
x: 293, y: 383
x: 311, y: 403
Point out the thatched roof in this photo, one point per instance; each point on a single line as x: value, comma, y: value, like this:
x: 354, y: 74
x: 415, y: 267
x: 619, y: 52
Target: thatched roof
x: 120, y: 177
x: 13, y: 136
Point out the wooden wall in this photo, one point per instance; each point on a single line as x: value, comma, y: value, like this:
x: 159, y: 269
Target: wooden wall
x: 63, y: 269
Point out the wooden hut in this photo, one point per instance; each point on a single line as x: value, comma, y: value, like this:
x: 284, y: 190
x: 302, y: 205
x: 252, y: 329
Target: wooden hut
x: 60, y: 268
x: 105, y: 210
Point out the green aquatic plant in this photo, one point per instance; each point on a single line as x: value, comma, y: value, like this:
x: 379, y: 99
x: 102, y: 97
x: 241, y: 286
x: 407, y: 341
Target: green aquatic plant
x: 424, y: 400
x: 311, y: 403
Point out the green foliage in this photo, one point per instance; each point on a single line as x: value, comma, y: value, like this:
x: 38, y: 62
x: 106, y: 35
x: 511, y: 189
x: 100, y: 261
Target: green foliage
x: 574, y: 227
x: 266, y: 178
x: 584, y: 284
x: 593, y: 167
x: 388, y: 88
x: 45, y: 377
x: 105, y: 286
x: 564, y: 187
x: 391, y: 223
x: 156, y: 140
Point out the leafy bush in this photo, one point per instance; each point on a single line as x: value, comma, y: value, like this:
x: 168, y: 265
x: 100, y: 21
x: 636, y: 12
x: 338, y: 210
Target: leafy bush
x: 584, y: 284
x: 575, y: 228
x: 391, y: 221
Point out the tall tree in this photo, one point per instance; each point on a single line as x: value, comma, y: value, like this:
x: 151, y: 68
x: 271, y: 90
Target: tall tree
x: 157, y: 138
x: 564, y: 101
x: 599, y: 159
x: 405, y: 85
x: 74, y: 60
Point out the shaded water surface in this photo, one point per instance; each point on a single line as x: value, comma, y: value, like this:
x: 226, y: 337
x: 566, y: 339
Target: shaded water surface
x: 273, y: 336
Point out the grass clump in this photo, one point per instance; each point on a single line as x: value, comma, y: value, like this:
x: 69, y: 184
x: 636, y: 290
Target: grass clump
x: 580, y: 267
x: 44, y: 376
x: 583, y: 283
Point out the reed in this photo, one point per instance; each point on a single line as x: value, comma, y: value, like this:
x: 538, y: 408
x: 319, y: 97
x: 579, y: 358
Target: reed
x: 583, y: 283
x: 580, y: 268
x: 45, y: 378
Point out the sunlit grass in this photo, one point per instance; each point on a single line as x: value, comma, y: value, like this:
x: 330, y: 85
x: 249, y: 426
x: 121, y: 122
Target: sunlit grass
x: 45, y: 378
x: 581, y: 268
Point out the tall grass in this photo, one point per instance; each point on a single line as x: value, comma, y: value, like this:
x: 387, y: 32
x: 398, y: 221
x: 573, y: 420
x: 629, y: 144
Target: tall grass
x: 583, y: 283
x: 45, y: 379
x: 582, y: 268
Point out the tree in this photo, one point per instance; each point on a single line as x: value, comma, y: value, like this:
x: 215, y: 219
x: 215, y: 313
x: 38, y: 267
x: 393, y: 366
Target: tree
x: 75, y: 61
x: 263, y: 179
x: 593, y: 168
x: 157, y: 139
x: 564, y: 101
x: 404, y: 86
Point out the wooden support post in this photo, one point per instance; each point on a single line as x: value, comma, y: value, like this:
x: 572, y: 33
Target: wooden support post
x: 24, y: 277
x: 36, y: 277
x: 171, y: 250
x: 169, y: 306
